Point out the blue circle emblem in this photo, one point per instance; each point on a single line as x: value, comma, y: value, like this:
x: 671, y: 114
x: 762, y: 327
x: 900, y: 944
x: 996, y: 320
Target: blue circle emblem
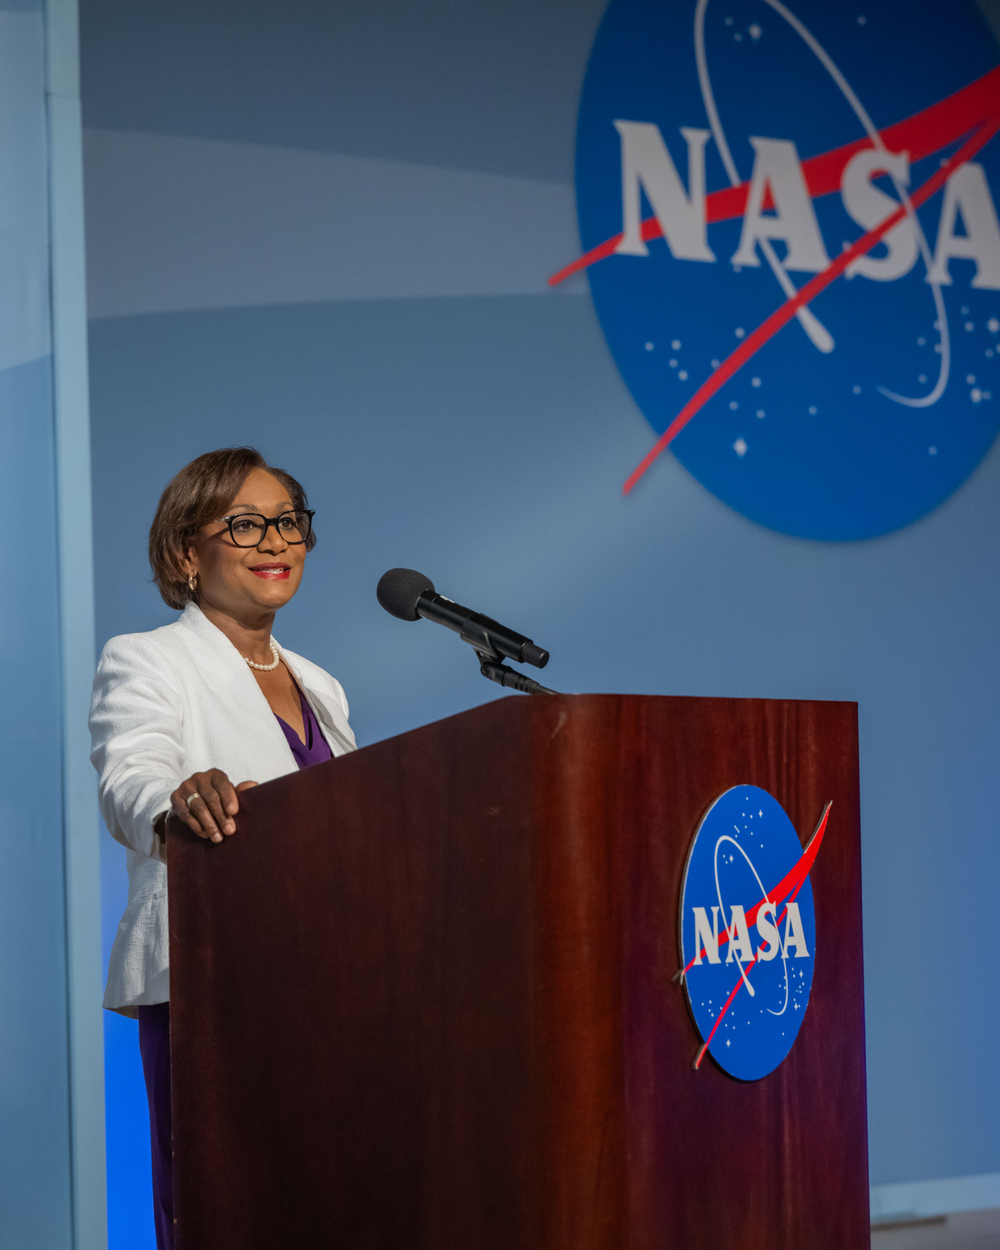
x: 748, y: 932
x: 789, y: 222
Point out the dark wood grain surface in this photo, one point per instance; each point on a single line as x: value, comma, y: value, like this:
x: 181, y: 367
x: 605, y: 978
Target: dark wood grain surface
x: 423, y: 997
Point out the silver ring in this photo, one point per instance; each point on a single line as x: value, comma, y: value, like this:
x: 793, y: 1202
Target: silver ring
x: 191, y: 797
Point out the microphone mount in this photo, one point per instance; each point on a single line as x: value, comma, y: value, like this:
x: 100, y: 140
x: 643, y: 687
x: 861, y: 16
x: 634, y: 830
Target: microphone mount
x: 491, y: 663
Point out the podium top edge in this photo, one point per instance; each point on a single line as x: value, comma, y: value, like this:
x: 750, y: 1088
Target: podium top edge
x: 659, y: 701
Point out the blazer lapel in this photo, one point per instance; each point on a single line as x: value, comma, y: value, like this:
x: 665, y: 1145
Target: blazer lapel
x: 245, y: 698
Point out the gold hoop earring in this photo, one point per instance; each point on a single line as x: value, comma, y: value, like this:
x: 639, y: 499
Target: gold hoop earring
x: 193, y: 582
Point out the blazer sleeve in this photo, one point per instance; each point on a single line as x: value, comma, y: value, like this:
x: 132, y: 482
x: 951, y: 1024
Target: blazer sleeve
x: 135, y: 728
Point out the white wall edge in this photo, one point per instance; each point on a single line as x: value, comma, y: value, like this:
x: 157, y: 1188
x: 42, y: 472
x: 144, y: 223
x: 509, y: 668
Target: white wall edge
x: 81, y: 830
x: 936, y: 1197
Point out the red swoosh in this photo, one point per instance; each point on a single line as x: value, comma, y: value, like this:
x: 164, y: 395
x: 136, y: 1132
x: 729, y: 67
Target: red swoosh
x: 781, y: 316
x: 921, y: 135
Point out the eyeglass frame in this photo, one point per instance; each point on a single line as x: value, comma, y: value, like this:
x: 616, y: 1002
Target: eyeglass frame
x: 268, y: 522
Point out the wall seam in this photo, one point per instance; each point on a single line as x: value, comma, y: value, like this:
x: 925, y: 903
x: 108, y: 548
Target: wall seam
x: 81, y: 846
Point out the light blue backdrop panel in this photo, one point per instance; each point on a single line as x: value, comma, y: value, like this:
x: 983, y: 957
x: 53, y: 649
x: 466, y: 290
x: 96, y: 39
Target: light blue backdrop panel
x: 35, y: 1129
x: 34, y: 1092
x: 483, y: 442
x: 438, y: 82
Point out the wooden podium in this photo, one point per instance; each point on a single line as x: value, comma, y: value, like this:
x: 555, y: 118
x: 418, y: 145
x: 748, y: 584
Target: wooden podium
x: 423, y: 999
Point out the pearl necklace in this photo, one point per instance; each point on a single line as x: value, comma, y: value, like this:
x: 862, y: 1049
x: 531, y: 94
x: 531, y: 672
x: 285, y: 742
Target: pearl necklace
x: 267, y: 668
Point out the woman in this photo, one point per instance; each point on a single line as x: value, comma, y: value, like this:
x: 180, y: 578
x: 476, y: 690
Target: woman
x: 186, y: 717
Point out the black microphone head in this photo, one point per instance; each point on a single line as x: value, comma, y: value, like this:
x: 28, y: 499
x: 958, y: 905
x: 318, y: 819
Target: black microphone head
x: 399, y: 589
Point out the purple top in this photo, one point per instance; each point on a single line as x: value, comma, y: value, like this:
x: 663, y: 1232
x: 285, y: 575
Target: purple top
x: 315, y: 749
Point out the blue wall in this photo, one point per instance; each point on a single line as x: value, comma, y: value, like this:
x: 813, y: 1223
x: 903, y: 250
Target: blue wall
x: 325, y: 230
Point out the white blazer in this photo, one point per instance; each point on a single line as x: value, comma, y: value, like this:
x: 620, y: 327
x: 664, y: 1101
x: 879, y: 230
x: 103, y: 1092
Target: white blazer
x: 166, y: 704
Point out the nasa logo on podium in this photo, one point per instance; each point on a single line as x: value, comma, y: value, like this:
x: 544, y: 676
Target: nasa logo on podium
x: 748, y: 931
x: 789, y: 224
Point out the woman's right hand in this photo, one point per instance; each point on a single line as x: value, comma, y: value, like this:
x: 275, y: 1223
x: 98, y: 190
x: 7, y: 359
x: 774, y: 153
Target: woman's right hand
x: 210, y: 814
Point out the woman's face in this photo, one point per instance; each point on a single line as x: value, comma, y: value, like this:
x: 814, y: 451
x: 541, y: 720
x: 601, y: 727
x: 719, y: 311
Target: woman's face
x: 246, y: 581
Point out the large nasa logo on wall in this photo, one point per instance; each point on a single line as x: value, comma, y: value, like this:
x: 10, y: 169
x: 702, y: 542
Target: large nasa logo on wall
x: 789, y: 224
x: 748, y: 931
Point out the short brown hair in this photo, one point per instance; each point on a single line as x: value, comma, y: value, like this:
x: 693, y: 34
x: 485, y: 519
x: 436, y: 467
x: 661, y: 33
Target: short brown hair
x: 200, y: 493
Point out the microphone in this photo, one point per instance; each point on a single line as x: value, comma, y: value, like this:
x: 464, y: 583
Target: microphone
x: 409, y: 595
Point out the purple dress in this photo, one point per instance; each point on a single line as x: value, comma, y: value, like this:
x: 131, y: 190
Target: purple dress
x: 154, y: 1024
x: 315, y: 749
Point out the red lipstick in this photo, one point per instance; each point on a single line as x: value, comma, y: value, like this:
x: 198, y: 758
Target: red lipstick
x: 271, y: 572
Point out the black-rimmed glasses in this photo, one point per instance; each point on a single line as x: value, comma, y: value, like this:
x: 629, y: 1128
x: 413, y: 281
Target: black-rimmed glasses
x: 249, y: 529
